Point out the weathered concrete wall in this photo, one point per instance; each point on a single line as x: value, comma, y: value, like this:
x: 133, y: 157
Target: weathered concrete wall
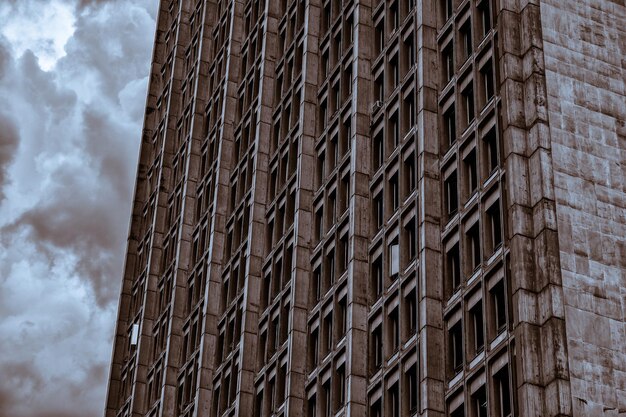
x: 584, y: 50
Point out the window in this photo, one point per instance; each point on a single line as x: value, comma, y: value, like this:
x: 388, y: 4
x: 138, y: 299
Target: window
x: 466, y: 39
x: 471, y: 173
x: 394, y: 131
x: 479, y: 403
x: 328, y: 330
x: 499, y: 306
x: 326, y: 19
x: 473, y: 242
x: 409, y: 113
x: 321, y: 168
x: 410, y: 51
x: 348, y: 28
x: 345, y: 193
x: 411, y: 311
x: 394, y: 259
x: 327, y: 399
x: 259, y: 403
x: 323, y: 115
x: 453, y: 268
x: 394, y: 330
x: 337, y: 48
x: 377, y: 277
x: 317, y: 283
x: 275, y: 328
x: 347, y: 81
x: 451, y: 194
x: 330, y: 267
x: 376, y: 409
x: 325, y: 64
x: 410, y: 175
x: 341, y: 386
x: 394, y: 72
x: 394, y: 192
x: 332, y: 209
x: 495, y: 226
x: 336, y: 96
x: 312, y: 407
x: 319, y: 224
x: 449, y: 125
x: 447, y: 9
x: 455, y: 336
x: 379, y: 40
x: 378, y: 151
x: 411, y: 243
x: 314, y: 345
x: 379, y: 88
x: 485, y: 16
x: 448, y: 62
x: 343, y: 316
x: 393, y: 16
x: 468, y: 101
x: 412, y: 388
x: 377, y: 342
x: 476, y: 317
x: 503, y: 393
x: 272, y: 394
x: 394, y: 401
x: 490, y: 142
x: 458, y: 412
x: 379, y: 210
x: 344, y: 254
x: 486, y: 74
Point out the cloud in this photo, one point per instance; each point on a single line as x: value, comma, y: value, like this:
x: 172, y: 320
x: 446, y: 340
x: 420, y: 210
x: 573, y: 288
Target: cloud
x: 9, y: 139
x: 70, y: 128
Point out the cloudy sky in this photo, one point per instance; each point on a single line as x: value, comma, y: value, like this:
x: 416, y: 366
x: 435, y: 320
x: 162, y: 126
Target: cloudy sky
x: 73, y: 77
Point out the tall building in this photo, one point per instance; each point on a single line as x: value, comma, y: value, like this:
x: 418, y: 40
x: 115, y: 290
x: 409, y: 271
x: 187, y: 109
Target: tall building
x: 379, y: 208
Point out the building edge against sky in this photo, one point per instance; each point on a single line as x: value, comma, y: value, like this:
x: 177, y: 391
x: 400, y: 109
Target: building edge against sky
x: 378, y: 208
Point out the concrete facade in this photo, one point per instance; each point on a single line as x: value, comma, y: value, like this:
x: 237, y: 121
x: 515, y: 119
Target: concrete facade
x: 378, y: 208
x: 584, y: 50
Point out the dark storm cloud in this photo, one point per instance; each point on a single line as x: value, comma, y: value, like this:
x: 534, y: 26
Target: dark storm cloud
x: 9, y: 139
x: 68, y: 150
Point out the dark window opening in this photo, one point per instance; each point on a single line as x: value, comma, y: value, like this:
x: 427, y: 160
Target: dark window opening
x: 495, y: 225
x: 479, y: 403
x: 478, y: 335
x: 448, y: 62
x: 377, y: 278
x: 466, y: 37
x: 453, y: 268
x: 499, y: 306
x: 378, y: 151
x: 468, y: 98
x: 471, y: 172
x: 394, y: 192
x: 379, y: 211
x: 473, y: 240
x: 449, y: 121
x: 451, y: 194
x: 394, y: 329
x: 491, y: 146
x: 503, y: 392
x: 455, y: 336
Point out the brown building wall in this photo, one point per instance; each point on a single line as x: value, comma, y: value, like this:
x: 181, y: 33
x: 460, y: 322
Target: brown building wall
x: 584, y: 48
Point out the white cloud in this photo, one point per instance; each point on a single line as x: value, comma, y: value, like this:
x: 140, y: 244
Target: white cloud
x: 70, y: 126
x: 43, y: 30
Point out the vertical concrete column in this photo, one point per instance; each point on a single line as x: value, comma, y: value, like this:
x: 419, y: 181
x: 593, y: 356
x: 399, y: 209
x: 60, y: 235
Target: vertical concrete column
x: 219, y: 215
x: 430, y: 281
x: 303, y: 224
x: 360, y: 213
x: 538, y: 317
